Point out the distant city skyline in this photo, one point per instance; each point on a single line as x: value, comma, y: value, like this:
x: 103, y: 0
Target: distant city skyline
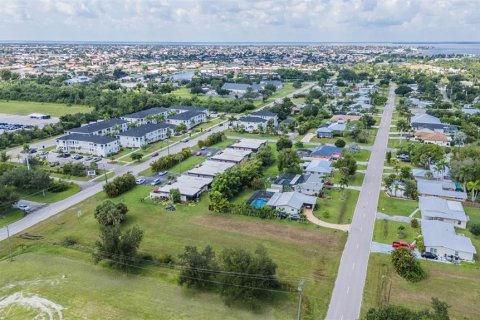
x: 197, y: 21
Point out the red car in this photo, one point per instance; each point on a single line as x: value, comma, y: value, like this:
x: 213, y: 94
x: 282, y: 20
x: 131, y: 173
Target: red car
x: 198, y: 153
x: 402, y: 244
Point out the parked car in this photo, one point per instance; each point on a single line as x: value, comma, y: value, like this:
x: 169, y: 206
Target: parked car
x: 162, y: 173
x: 203, y: 148
x: 155, y: 154
x: 294, y: 217
x: 140, y: 181
x: 87, y: 158
x: 54, y: 163
x: 220, y: 125
x: 77, y: 157
x: 209, y: 129
x: 402, y: 244
x: 185, y: 140
x: 198, y: 153
x: 429, y: 255
x: 32, y: 151
x: 403, y: 157
x: 209, y: 154
x: 155, y: 182
x: 97, y: 159
x: 23, y: 207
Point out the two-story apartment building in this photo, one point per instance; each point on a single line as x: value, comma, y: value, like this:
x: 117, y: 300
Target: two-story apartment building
x: 145, y: 134
x: 189, y: 118
x: 97, y: 145
x: 101, y: 128
x: 146, y: 116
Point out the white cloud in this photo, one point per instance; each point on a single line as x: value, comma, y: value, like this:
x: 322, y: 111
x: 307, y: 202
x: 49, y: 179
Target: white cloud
x: 241, y: 20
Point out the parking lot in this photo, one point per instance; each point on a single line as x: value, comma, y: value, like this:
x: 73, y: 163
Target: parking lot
x: 162, y: 179
x: 26, y: 120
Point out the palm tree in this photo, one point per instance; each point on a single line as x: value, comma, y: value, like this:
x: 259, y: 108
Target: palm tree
x: 402, y: 126
x: 441, y: 166
x: 474, y: 187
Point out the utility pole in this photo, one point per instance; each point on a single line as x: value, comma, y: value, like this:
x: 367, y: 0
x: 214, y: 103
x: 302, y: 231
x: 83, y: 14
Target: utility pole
x: 9, y: 244
x: 300, y: 295
x: 105, y: 173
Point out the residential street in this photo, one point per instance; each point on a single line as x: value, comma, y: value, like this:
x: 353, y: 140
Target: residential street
x: 89, y: 191
x: 347, y: 295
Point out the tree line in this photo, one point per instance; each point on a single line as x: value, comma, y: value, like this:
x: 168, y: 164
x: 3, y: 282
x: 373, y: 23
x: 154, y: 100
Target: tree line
x: 168, y: 161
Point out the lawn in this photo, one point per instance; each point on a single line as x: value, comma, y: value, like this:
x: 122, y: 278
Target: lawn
x: 386, y: 231
x: 231, y: 133
x: 49, y: 197
x: 456, y: 285
x: 223, y: 144
x: 362, y: 155
x: 68, y: 277
x: 187, y: 164
x: 395, y: 206
x: 186, y: 94
x: 53, y: 109
x: 333, y: 208
x: 356, y: 180
x: 11, y: 216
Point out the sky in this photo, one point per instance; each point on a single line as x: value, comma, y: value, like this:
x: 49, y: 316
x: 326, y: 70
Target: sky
x: 240, y: 20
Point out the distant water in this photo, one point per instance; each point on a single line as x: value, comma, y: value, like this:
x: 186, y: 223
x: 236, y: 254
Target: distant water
x: 471, y: 48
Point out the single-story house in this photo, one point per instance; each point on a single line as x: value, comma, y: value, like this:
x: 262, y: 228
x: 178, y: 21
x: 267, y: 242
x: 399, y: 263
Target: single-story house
x: 426, y: 121
x: 319, y: 167
x: 277, y: 83
x: 445, y: 189
x: 291, y: 202
x: 327, y: 152
x: 432, y: 137
x: 248, y: 144
x: 210, y: 168
x: 433, y: 208
x: 333, y: 129
x: 101, y: 128
x: 96, y: 145
x: 309, y: 184
x: 267, y: 115
x: 146, y: 116
x: 470, y: 111
x: 251, y: 123
x: 145, y: 134
x: 189, y: 118
x: 190, y: 188
x: 440, y: 238
x: 419, y: 103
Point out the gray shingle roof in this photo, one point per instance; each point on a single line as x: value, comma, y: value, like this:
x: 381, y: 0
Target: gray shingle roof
x: 188, y: 108
x: 142, y: 130
x: 88, y: 138
x: 443, y: 188
x: 291, y: 199
x: 97, y: 126
x: 186, y: 115
x: 442, y: 234
x: 142, y: 114
x: 263, y: 113
x: 253, y: 119
x: 441, y: 208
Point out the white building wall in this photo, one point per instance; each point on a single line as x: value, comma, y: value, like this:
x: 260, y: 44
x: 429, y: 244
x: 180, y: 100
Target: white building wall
x: 443, y: 252
x: 96, y: 149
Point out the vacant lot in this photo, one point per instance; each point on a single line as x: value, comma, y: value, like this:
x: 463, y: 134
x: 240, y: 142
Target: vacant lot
x: 456, y: 285
x: 84, y: 290
x: 53, y: 109
x: 387, y: 231
x: 337, y: 206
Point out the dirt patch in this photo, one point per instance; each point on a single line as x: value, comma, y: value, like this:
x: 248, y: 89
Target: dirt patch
x: 269, y: 231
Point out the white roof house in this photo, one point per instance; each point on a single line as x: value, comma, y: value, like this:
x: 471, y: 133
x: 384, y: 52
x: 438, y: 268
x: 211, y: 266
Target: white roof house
x: 291, y: 202
x: 248, y: 144
x: 443, y: 189
x: 433, y: 208
x: 319, y: 167
x: 210, y: 168
x: 189, y: 187
x: 231, y: 155
x: 440, y: 238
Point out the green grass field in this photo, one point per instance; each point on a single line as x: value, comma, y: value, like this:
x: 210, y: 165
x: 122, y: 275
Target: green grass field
x: 362, y: 156
x: 356, y: 180
x: 50, y: 197
x: 10, y: 216
x: 53, y: 109
x: 395, y: 207
x: 386, y: 231
x: 86, y: 290
x: 333, y: 208
x: 187, y: 164
x: 456, y: 285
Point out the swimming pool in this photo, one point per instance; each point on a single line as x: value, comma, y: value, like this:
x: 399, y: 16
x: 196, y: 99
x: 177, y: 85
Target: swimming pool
x: 259, y: 203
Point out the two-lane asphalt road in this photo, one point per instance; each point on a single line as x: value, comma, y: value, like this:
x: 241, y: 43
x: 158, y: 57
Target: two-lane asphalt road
x: 348, y: 291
